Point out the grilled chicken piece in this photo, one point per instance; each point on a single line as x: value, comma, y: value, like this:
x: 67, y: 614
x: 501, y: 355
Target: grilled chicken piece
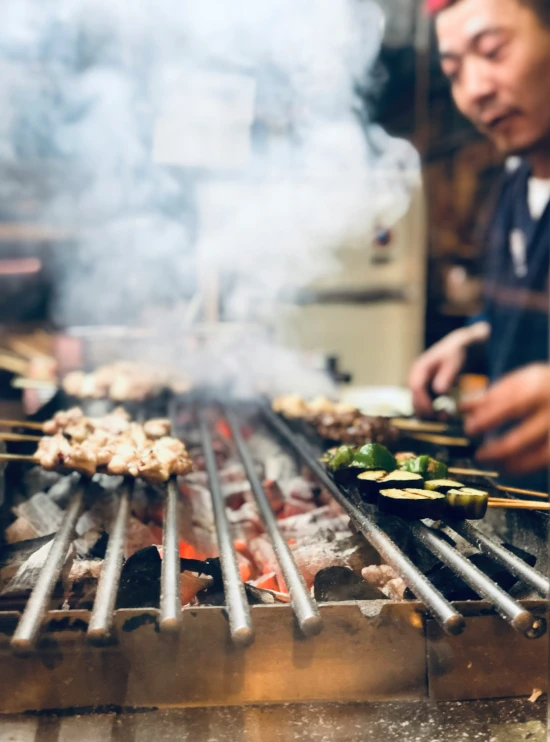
x: 51, y: 452
x: 82, y: 458
x: 124, y: 460
x: 63, y: 419
x: 157, y: 428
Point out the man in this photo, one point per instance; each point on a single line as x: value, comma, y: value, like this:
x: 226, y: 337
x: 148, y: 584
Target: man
x: 496, y: 55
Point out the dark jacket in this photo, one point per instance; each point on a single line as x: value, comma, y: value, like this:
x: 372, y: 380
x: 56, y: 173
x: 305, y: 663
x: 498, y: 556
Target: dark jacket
x: 516, y: 298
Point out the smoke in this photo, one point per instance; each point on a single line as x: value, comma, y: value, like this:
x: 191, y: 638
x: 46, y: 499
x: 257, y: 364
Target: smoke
x: 189, y: 140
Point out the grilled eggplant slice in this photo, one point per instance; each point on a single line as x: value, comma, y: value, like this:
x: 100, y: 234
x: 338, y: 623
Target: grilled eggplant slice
x: 466, y: 503
x: 412, y: 503
x: 401, y: 480
x: 368, y: 483
x: 443, y: 485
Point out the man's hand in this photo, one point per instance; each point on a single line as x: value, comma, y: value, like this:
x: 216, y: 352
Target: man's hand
x: 522, y: 396
x: 438, y: 367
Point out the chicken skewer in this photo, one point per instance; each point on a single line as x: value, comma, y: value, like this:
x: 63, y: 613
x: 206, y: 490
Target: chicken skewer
x: 74, y: 423
x: 128, y: 455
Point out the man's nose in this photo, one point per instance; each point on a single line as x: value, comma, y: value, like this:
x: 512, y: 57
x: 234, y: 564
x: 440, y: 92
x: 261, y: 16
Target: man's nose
x: 478, y: 84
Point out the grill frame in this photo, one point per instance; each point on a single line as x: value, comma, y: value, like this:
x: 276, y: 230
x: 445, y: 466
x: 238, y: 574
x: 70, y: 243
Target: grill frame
x: 406, y: 654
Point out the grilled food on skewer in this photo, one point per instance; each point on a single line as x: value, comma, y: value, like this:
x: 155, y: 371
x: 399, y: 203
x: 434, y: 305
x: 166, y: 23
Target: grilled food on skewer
x: 337, y: 421
x: 113, y: 444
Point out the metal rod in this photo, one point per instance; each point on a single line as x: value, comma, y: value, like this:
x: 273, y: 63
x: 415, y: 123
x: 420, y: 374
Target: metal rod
x: 449, y: 618
x: 518, y: 616
x: 240, y: 622
x: 29, y: 626
x: 170, y: 590
x: 501, y: 555
x: 102, y: 615
x: 304, y: 606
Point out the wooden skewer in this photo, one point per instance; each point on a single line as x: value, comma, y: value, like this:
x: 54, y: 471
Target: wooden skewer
x: 518, y: 504
x: 22, y: 382
x: 472, y: 472
x: 425, y: 426
x: 17, y: 437
x: 440, y: 440
x: 31, y: 425
x: 518, y: 491
x: 18, y: 457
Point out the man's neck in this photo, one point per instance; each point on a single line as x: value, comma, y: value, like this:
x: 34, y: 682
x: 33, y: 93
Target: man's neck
x: 540, y: 163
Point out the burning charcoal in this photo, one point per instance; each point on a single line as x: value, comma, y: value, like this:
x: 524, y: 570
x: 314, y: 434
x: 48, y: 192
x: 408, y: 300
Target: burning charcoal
x: 20, y: 530
x: 378, y: 575
x: 28, y: 573
x: 38, y: 479
x: 299, y: 489
x: 192, y: 584
x: 264, y: 556
x: 395, y: 589
x: 307, y: 524
x: 91, y: 543
x: 274, y: 495
x: 41, y: 513
x: 138, y: 537
x: 236, y: 494
x: 256, y: 596
x: 247, y: 568
x: 140, y: 580
x: 245, y: 522
x: 85, y: 569
x: 267, y: 582
x: 340, y: 583
x: 294, y: 506
x: 13, y: 556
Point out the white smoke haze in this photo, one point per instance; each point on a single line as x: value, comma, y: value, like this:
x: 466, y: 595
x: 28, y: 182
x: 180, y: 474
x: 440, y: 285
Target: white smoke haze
x: 137, y: 116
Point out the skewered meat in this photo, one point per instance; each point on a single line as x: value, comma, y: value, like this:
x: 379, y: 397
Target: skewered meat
x: 121, y: 381
x: 157, y: 428
x: 114, y: 444
x: 336, y: 421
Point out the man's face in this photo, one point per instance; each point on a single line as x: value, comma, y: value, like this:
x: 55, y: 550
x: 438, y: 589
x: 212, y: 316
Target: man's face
x: 496, y: 54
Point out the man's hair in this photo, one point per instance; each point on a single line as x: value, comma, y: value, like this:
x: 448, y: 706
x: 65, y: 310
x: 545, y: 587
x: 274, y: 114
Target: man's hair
x: 541, y: 8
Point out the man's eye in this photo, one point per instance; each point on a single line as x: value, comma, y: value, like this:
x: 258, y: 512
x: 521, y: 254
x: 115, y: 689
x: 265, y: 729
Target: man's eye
x: 493, y: 52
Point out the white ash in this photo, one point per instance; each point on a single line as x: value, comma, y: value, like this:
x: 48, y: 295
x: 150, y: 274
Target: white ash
x: 19, y: 530
x: 41, y: 513
x: 85, y: 569
x: 38, y: 479
x: 308, y: 524
x: 277, y: 464
x: 385, y: 579
x: 27, y: 575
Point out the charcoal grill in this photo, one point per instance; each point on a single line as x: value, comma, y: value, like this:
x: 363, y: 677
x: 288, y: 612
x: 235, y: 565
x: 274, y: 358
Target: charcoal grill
x: 241, y: 654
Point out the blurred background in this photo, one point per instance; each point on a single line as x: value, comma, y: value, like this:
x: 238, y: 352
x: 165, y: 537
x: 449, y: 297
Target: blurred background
x: 258, y: 197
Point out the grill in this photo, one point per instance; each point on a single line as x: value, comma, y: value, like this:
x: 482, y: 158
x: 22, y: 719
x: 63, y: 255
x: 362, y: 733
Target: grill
x: 355, y: 650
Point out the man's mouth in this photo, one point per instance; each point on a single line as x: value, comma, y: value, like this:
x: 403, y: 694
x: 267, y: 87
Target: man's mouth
x: 495, y: 122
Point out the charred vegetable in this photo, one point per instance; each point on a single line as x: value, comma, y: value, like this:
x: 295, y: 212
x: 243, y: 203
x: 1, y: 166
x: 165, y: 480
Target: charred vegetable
x: 339, y: 463
x: 467, y: 503
x: 403, y: 456
x: 412, y: 503
x: 402, y: 479
x: 368, y: 483
x: 374, y: 456
x: 443, y: 485
x: 427, y: 467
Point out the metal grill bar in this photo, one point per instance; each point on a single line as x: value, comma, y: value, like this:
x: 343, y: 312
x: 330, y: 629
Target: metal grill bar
x: 170, y: 590
x: 449, y: 618
x: 240, y: 622
x: 500, y: 554
x: 29, y: 626
x: 520, y: 618
x: 304, y: 607
x: 101, y: 620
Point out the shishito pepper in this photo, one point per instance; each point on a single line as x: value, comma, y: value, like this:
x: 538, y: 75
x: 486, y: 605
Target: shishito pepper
x: 467, y: 503
x: 427, y: 467
x: 374, y: 456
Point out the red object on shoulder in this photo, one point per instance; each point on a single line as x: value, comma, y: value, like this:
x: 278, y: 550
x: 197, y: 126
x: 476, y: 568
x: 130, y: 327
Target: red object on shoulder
x: 434, y: 6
